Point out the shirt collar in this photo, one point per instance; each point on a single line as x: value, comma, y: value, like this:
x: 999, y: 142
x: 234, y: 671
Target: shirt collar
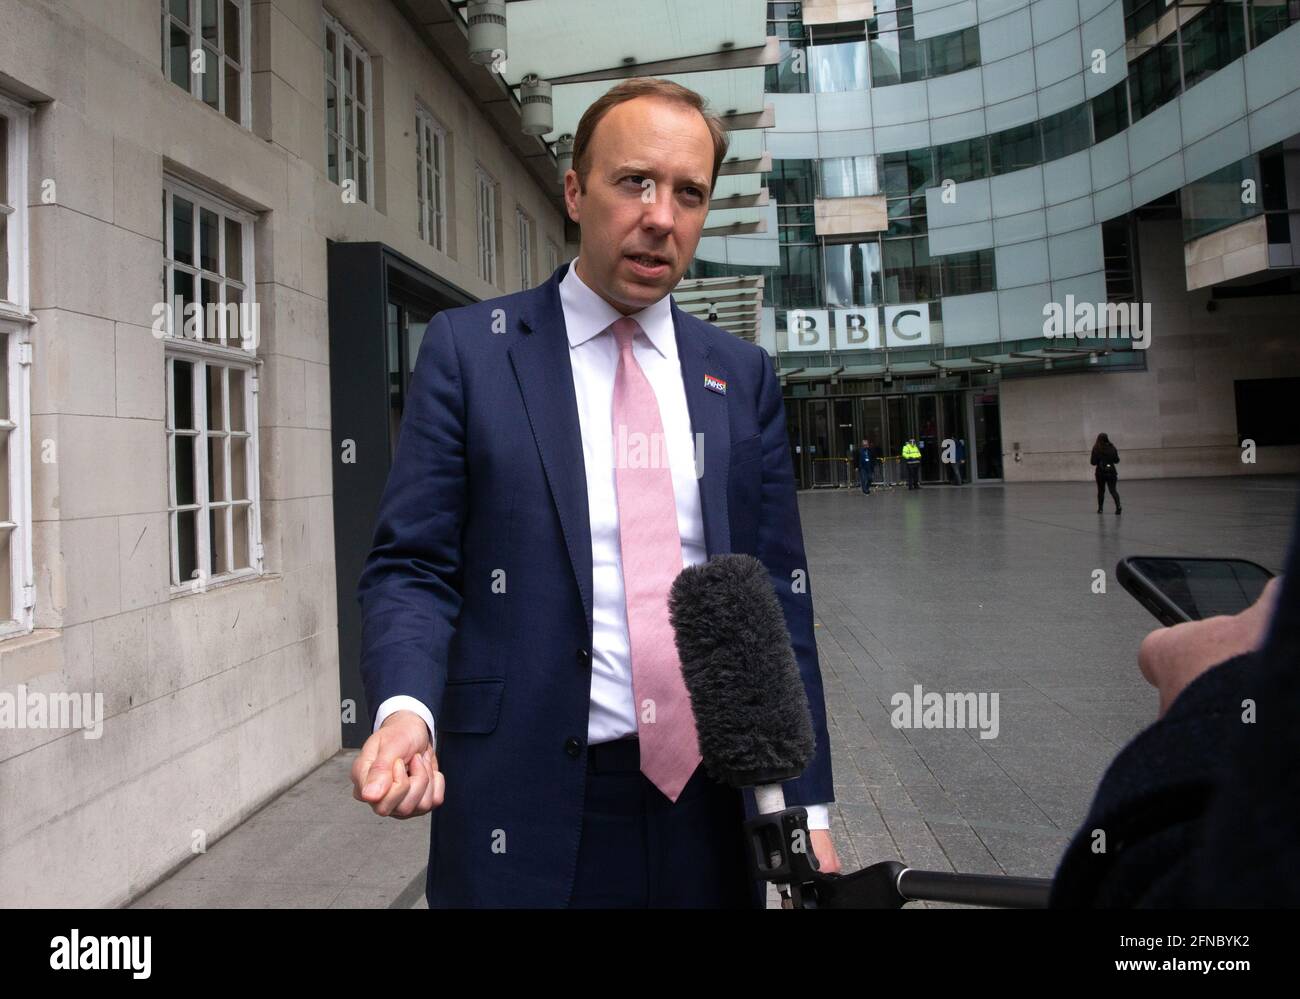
x: 586, y: 314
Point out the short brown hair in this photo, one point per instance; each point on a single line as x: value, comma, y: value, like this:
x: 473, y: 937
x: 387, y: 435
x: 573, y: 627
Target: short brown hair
x: 645, y: 86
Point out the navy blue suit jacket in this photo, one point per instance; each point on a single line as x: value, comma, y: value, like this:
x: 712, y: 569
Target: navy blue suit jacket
x: 477, y: 593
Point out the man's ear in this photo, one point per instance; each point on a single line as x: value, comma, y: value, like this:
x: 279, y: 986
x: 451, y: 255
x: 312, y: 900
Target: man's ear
x: 571, y: 194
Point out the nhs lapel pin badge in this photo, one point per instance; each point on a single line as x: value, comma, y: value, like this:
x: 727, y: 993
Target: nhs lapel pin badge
x: 715, y: 384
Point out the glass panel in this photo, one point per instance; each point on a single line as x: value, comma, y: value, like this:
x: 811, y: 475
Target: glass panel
x: 182, y: 230
x: 791, y: 182
x: 4, y: 257
x: 853, y: 274
x: 179, y: 55
x: 210, y: 317
x: 908, y: 275
x: 962, y: 161
x: 363, y: 193
x: 218, y: 534
x: 347, y: 71
x: 234, y: 96
x: 837, y: 68
x: 217, y: 468
x: 183, y: 321
x: 361, y: 81
x: 239, y: 528
x: 332, y: 158
x: 6, y: 595
x: 4, y: 383
x: 849, y: 176
x: 216, y: 417
x: 233, y: 38
x: 184, y: 470
x: 968, y: 273
x: 349, y: 125
x: 208, y: 20
x: 234, y: 250
x: 237, y: 400
x: 361, y: 128
x: 187, y: 544
x: 1110, y: 112
x: 331, y: 53
x: 182, y: 395
x: 953, y: 52
x: 239, y: 468
x: 1066, y: 132
x: 211, y: 76
x: 209, y: 236
x: 1015, y: 148
x: 180, y: 9
x: 331, y: 107
x: 4, y: 505
x: 239, y: 322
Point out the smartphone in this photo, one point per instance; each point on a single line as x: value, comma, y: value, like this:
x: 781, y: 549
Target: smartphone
x: 1189, y: 589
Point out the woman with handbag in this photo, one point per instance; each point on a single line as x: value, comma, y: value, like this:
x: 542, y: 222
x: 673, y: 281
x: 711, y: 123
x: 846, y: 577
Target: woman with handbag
x: 1105, y: 457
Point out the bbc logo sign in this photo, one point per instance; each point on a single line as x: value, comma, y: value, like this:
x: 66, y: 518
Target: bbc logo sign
x: 820, y: 330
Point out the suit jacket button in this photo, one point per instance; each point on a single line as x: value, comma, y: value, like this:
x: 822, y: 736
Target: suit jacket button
x: 573, y: 746
x: 584, y: 657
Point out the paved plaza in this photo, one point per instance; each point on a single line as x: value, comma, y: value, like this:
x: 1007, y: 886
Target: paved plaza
x: 979, y: 589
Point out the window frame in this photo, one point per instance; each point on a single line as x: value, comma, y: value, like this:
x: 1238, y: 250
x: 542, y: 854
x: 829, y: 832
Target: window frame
x: 347, y: 42
x: 203, y: 353
x: 16, y: 323
x: 485, y: 210
x: 524, y: 228
x: 431, y: 178
x: 194, y: 30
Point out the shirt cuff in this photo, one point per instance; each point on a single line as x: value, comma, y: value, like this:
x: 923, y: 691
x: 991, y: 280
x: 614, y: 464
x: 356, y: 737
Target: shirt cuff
x: 819, y: 816
x: 404, y: 702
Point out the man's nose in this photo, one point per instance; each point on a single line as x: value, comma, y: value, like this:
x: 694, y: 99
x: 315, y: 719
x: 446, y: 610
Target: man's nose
x: 658, y: 212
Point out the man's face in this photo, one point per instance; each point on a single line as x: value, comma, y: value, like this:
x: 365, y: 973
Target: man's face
x: 650, y: 162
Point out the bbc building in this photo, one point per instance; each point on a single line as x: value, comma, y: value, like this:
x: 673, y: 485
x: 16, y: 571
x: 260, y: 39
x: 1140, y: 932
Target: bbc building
x: 1022, y: 224
x: 910, y: 190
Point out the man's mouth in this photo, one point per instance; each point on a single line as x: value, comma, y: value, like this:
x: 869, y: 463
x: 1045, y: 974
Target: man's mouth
x: 647, y: 259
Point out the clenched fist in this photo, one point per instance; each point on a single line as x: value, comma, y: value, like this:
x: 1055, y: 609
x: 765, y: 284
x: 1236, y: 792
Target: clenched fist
x: 397, y: 772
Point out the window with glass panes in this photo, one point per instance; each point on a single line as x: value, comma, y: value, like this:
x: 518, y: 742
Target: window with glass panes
x: 431, y: 178
x: 525, y: 228
x: 205, y: 52
x: 486, y: 207
x: 17, y: 592
x: 347, y: 110
x: 211, y: 385
x: 207, y: 270
x: 552, y: 256
x: 790, y: 75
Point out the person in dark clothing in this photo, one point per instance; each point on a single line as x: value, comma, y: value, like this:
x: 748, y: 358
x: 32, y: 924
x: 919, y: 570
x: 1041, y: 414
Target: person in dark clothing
x: 1105, y: 457
x: 1202, y: 808
x: 865, y: 456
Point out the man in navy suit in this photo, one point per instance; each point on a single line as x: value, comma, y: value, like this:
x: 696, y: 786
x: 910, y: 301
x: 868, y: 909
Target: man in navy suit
x: 499, y: 622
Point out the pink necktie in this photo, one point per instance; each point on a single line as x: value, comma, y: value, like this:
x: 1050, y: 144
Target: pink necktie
x: 652, y: 557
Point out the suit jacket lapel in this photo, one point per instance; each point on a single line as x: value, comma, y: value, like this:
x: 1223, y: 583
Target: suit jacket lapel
x: 545, y: 373
x: 710, y: 426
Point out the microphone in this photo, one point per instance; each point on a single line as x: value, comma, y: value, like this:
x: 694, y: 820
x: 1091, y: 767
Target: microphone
x: 751, y: 710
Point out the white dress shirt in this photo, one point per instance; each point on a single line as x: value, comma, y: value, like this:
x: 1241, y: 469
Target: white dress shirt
x: 593, y: 352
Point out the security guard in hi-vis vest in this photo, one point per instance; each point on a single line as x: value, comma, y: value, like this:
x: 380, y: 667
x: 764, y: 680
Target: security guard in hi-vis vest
x: 912, y: 461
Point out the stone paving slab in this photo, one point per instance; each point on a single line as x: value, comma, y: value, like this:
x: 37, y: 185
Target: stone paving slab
x: 962, y: 590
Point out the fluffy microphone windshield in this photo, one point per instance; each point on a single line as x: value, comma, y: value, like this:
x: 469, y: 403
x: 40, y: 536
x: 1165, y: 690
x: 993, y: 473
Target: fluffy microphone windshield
x: 751, y: 711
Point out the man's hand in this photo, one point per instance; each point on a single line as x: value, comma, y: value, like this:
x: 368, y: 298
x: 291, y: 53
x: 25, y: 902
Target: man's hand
x: 828, y: 861
x: 1171, y: 658
x: 397, y: 772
